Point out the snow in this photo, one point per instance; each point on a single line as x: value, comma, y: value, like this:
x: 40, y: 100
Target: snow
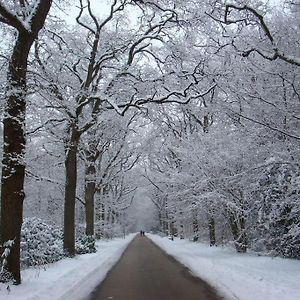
x: 71, y: 278
x: 237, y: 276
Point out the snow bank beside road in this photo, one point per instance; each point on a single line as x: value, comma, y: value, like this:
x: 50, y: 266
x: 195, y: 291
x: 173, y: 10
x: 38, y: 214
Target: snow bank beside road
x: 237, y: 276
x: 69, y: 278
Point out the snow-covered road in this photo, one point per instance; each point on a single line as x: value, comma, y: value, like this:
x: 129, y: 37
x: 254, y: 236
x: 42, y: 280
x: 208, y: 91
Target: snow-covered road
x: 69, y: 278
x: 237, y: 276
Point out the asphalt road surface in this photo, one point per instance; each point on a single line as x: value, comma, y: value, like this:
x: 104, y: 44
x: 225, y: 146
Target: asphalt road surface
x: 145, y: 272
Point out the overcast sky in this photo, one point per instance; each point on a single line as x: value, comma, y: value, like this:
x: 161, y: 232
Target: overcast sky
x: 99, y: 7
x: 102, y: 8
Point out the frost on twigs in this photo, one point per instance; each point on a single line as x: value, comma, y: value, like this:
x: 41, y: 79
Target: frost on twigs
x: 278, y: 226
x: 5, y: 275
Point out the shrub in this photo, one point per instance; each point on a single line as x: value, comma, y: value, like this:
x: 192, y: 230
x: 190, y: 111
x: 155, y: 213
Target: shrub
x: 85, y: 244
x: 41, y: 243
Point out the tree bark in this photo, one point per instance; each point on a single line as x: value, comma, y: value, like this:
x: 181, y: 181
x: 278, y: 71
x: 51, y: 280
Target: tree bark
x: 212, y: 231
x: 195, y: 228
x: 239, y: 234
x: 92, y: 154
x: 90, y: 187
x: 14, y: 140
x: 70, y: 192
x: 14, y: 134
x: 243, y: 239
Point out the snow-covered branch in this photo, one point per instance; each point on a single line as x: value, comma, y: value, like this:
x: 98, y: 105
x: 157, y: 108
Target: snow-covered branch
x: 275, y: 52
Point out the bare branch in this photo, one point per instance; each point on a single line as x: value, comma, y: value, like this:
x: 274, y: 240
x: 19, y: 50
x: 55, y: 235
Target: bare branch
x: 266, y: 125
x: 254, y: 12
x: 276, y: 52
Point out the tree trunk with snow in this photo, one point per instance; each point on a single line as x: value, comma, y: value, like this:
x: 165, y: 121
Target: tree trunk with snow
x: 14, y: 133
x: 212, y: 231
x: 92, y: 154
x: 13, y: 170
x: 195, y: 228
x: 237, y: 226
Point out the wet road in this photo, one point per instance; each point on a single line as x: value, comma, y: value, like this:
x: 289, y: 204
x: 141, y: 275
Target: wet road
x: 145, y: 272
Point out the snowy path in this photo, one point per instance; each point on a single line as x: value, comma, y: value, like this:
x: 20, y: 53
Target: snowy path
x: 68, y: 279
x: 146, y: 273
x: 237, y: 276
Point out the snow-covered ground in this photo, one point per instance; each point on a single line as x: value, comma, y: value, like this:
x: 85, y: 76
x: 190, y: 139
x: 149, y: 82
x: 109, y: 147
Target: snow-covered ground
x: 69, y: 278
x: 237, y: 276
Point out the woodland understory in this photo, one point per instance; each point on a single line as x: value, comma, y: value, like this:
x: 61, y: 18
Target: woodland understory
x: 192, y: 105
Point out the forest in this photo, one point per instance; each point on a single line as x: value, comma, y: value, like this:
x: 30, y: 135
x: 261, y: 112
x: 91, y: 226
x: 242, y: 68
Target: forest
x: 192, y: 105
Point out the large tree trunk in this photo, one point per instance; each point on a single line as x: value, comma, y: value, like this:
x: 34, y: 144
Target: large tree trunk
x: 70, y: 192
x: 90, y: 185
x: 14, y: 140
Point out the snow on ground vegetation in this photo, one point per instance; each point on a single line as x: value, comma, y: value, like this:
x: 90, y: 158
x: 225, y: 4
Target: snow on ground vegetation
x: 237, y: 276
x: 69, y: 278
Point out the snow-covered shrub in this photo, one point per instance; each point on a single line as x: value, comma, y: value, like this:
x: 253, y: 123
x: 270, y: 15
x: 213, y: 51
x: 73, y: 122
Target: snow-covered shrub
x: 290, y: 242
x: 278, y: 209
x: 41, y: 243
x: 85, y: 244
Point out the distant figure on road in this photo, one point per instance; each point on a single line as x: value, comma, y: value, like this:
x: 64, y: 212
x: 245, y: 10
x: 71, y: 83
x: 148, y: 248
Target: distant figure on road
x: 142, y: 233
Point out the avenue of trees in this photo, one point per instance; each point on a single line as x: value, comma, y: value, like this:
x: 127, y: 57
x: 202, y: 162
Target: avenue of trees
x: 197, y: 103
